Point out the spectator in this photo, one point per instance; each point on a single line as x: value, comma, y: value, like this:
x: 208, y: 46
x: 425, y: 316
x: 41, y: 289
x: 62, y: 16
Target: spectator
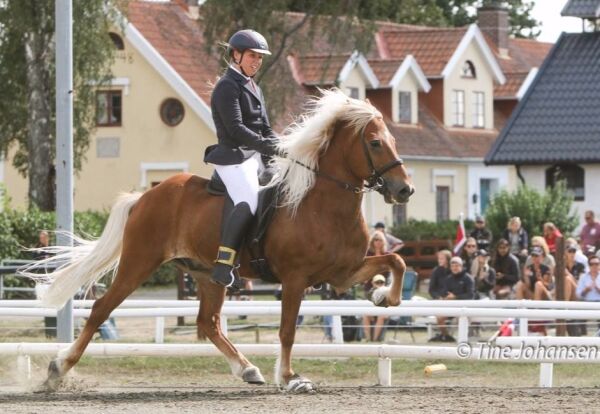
x: 43, y: 241
x: 481, y: 234
x: 484, y: 276
x: 532, y: 274
x: 572, y: 266
x: 394, y: 244
x: 588, y: 288
x: 468, y: 253
x: 544, y: 287
x: 377, y: 247
x: 580, y: 257
x: 548, y: 260
x: 518, y: 238
x: 437, y: 281
x: 590, y: 234
x: 551, y: 232
x: 373, y: 325
x: 507, y: 269
x: 459, y: 285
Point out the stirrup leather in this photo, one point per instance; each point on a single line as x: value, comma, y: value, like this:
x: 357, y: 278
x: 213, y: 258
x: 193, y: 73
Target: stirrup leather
x: 226, y: 256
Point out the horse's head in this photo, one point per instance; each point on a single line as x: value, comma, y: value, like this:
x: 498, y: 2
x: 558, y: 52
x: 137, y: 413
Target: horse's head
x: 375, y: 159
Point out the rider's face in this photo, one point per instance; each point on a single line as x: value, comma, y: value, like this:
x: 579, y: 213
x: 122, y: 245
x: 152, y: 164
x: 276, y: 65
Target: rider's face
x: 251, y: 61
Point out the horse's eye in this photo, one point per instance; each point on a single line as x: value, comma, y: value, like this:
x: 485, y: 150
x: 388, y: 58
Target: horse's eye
x: 376, y: 143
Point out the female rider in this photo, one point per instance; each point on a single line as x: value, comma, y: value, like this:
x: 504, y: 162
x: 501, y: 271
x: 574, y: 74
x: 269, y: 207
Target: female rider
x: 243, y: 133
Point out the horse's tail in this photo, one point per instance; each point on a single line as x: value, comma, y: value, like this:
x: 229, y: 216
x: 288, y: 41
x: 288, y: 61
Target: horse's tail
x: 84, y: 263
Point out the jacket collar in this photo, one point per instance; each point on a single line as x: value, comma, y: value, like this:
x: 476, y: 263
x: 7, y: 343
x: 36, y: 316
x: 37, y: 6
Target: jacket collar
x: 244, y: 81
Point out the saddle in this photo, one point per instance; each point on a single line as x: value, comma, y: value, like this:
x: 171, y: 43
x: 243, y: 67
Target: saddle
x: 254, y: 240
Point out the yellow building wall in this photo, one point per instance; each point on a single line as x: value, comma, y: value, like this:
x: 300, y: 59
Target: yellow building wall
x: 483, y: 82
x: 425, y: 176
x: 144, y: 139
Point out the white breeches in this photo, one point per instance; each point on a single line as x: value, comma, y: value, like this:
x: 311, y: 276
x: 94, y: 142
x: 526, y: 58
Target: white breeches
x: 241, y: 180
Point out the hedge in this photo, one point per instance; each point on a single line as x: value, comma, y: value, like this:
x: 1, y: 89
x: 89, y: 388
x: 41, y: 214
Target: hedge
x: 19, y: 230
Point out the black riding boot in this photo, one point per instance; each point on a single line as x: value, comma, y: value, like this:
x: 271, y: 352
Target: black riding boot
x: 233, y: 231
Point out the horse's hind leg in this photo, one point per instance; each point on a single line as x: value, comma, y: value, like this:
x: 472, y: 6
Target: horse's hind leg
x: 134, y: 268
x: 209, y: 321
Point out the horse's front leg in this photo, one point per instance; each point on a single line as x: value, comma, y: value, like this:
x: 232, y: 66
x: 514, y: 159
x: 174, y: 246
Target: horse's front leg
x: 291, y: 298
x: 386, y: 296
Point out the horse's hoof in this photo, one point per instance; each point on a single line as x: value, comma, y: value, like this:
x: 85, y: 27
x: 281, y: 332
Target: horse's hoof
x: 54, y: 378
x: 252, y: 375
x: 298, y: 384
x: 379, y: 296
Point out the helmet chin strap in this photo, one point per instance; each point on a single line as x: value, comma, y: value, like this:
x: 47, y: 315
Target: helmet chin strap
x: 239, y: 64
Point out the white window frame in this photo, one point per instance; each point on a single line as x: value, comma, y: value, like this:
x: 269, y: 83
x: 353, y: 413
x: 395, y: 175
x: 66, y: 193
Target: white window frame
x: 351, y: 89
x: 478, y: 109
x: 458, y: 108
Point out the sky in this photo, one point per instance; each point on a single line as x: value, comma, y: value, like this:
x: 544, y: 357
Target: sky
x: 548, y: 12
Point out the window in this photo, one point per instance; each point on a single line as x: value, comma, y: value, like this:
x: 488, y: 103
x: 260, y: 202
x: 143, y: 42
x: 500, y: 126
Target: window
x: 404, y: 107
x: 117, y: 41
x: 172, y: 112
x: 352, y: 92
x: 442, y: 203
x: 458, y: 108
x: 108, y: 108
x: 468, y: 70
x: 399, y: 214
x: 573, y: 175
x: 478, y: 110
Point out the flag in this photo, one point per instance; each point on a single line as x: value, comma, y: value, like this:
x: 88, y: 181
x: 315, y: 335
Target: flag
x: 461, y: 236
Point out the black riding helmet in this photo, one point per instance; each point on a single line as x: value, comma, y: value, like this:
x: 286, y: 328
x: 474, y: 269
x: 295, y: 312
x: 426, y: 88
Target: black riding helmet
x: 248, y: 39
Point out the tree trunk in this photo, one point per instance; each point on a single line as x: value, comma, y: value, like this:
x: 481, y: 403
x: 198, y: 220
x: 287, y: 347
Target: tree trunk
x: 41, y: 168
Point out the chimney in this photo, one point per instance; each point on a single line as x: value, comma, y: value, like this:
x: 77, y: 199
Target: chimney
x: 493, y: 21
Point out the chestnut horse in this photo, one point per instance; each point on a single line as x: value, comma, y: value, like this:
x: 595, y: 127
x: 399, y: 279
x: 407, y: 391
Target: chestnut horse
x: 318, y: 233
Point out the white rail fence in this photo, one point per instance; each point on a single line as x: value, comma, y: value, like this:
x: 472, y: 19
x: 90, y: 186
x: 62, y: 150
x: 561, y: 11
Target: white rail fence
x: 509, y: 349
x: 465, y: 311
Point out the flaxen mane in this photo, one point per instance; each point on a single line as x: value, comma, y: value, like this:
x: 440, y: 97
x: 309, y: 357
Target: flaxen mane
x: 306, y: 139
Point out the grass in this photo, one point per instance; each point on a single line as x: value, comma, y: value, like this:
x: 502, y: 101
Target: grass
x: 214, y: 371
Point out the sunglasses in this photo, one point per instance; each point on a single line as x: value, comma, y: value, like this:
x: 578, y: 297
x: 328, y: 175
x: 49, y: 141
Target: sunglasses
x: 594, y: 263
x: 471, y: 245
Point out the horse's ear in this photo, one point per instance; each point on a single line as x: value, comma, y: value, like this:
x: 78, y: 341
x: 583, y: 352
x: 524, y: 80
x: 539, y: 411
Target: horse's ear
x: 367, y: 101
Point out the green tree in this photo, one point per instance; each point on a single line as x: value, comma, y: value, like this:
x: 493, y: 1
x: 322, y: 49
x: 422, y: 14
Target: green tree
x: 27, y: 90
x: 534, y: 208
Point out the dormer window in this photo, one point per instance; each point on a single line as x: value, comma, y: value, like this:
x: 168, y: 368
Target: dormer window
x: 117, y: 41
x: 468, y: 70
x: 404, y: 107
x: 352, y: 92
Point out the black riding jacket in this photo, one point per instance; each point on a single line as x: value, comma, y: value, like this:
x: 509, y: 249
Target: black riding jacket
x: 241, y: 121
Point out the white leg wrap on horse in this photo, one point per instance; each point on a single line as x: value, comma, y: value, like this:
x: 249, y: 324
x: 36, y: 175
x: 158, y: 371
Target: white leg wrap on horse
x: 241, y: 181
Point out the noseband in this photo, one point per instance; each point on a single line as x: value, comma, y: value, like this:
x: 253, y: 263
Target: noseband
x: 374, y: 182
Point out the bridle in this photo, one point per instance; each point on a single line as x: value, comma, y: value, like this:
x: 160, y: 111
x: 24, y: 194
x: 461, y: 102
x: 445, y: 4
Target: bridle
x: 374, y: 182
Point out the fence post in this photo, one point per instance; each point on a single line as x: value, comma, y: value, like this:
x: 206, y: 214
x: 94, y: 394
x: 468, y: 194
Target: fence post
x: 546, y: 369
x: 159, y: 330
x: 24, y: 368
x: 523, y: 327
x: 463, y: 329
x: 336, y: 330
x: 384, y: 372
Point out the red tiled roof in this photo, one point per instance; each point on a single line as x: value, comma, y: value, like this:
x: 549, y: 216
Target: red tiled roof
x: 179, y: 40
x: 432, y: 48
x: 431, y: 139
x: 511, y: 86
x: 320, y: 69
x: 384, y: 69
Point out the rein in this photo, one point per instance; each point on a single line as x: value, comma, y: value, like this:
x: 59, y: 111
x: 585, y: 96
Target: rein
x: 374, y: 182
